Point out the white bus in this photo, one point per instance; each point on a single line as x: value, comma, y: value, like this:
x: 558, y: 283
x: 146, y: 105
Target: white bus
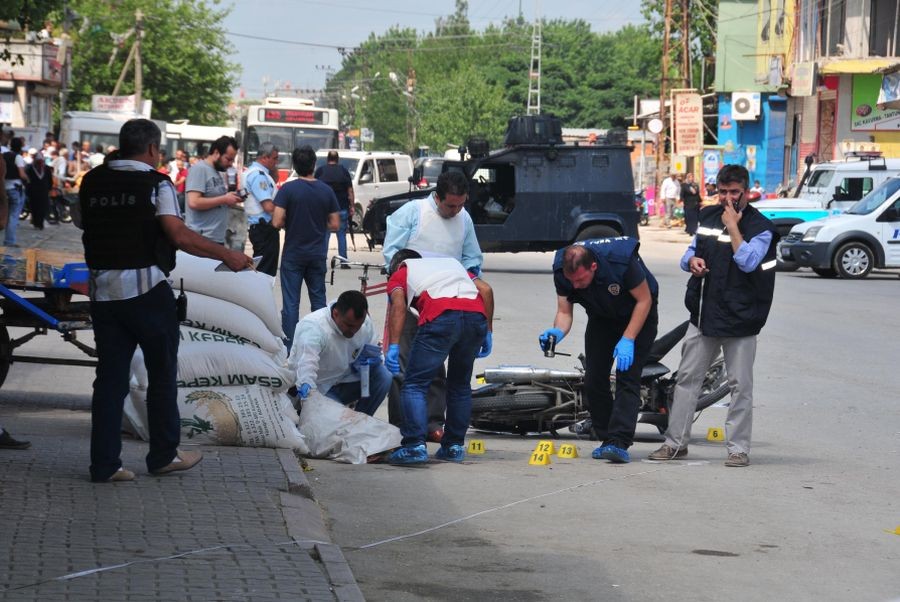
x: 100, y: 129
x: 195, y: 140
x: 288, y: 123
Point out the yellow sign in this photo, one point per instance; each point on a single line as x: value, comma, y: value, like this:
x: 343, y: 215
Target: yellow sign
x: 545, y: 447
x: 567, y: 450
x: 715, y: 434
x: 476, y: 447
x: 539, y: 459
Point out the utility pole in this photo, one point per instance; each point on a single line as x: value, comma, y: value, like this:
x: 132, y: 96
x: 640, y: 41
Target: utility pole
x: 138, y: 66
x: 685, y: 44
x: 663, y: 94
x: 534, y: 71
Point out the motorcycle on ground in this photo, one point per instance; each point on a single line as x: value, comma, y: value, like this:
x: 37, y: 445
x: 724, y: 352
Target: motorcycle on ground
x: 528, y: 399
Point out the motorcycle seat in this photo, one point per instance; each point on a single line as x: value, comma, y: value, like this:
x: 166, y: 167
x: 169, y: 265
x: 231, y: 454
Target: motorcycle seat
x: 653, y: 370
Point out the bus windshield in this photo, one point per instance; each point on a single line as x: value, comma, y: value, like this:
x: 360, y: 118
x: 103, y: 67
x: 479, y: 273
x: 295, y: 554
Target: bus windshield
x: 287, y: 139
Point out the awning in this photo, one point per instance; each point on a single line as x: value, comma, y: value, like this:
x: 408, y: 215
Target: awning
x: 849, y: 66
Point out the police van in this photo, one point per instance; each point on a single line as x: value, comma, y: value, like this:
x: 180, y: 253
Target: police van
x: 853, y: 243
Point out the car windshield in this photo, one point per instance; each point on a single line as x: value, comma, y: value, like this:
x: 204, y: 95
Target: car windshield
x: 876, y: 198
x: 431, y: 169
x: 820, y: 177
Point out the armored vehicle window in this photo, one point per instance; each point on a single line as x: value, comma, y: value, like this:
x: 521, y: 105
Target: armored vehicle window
x: 534, y: 160
x: 600, y: 161
x: 492, y: 193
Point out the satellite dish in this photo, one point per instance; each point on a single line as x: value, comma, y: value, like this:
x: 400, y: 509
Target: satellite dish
x: 655, y: 125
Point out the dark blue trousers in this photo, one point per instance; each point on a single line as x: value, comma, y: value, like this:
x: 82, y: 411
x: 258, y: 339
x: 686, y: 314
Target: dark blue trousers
x: 148, y: 321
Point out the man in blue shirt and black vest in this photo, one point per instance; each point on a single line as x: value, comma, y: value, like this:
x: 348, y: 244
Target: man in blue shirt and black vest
x: 732, y: 265
x: 607, y: 277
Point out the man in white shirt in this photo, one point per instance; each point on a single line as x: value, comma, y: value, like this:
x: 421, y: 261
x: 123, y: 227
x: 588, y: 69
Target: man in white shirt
x: 132, y: 226
x: 331, y: 346
x: 669, y: 192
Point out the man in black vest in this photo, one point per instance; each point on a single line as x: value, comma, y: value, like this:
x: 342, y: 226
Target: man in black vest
x: 607, y: 277
x: 732, y: 265
x: 132, y: 226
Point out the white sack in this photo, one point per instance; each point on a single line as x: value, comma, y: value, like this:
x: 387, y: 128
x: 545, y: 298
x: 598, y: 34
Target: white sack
x: 331, y: 430
x: 249, y: 289
x: 213, y: 364
x: 218, y: 316
x: 248, y: 416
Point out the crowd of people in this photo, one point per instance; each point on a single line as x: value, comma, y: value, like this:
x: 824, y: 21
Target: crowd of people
x: 440, y: 312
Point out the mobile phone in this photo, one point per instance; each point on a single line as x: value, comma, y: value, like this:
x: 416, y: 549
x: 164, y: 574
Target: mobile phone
x: 737, y: 204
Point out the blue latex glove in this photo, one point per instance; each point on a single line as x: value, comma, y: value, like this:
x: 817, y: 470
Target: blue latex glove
x: 392, y: 359
x: 624, y: 354
x: 486, y: 346
x: 304, y: 390
x: 544, y: 338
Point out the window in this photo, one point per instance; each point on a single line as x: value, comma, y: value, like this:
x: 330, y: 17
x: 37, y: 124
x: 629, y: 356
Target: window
x: 853, y: 189
x: 884, y: 22
x: 600, y: 161
x: 820, y: 177
x: 833, y: 22
x: 387, y: 170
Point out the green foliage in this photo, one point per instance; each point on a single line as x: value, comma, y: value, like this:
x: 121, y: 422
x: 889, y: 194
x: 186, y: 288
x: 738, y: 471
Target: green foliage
x: 30, y: 15
x: 454, y: 82
x: 702, y: 21
x: 184, y: 49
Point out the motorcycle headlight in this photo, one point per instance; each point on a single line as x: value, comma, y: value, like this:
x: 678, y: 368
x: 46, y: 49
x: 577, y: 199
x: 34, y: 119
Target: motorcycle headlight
x: 810, y: 235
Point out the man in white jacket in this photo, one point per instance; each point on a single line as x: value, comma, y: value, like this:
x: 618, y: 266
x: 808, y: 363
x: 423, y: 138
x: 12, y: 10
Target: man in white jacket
x: 333, y: 349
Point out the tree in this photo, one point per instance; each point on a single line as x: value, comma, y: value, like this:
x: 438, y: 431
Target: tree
x: 185, y: 70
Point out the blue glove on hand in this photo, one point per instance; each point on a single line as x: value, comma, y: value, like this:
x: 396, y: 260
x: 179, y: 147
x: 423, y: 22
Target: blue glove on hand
x: 486, y: 346
x: 624, y: 354
x: 304, y: 390
x: 392, y: 359
x: 544, y: 338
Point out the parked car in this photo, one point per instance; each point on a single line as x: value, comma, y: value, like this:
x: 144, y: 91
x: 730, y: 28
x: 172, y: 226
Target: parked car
x: 429, y: 170
x: 852, y: 243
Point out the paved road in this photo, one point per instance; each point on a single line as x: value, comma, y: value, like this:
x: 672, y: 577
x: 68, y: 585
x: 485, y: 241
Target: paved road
x: 809, y: 520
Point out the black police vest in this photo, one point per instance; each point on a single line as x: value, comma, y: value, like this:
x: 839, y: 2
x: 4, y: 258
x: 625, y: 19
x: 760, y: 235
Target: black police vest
x: 12, y: 172
x: 607, y: 296
x: 121, y: 230
x: 729, y: 302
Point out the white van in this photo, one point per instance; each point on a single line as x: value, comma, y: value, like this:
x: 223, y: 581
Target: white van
x: 375, y: 174
x: 852, y: 243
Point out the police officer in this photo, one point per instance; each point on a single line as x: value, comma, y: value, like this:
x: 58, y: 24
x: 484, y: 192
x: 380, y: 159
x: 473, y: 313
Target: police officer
x: 132, y: 227
x: 607, y: 277
x: 729, y: 294
x: 259, y: 206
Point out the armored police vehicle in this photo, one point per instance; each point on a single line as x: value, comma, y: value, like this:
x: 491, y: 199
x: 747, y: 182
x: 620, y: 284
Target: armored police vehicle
x: 536, y: 194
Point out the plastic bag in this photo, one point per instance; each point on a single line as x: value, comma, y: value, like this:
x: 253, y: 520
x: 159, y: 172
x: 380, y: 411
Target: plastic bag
x: 333, y: 431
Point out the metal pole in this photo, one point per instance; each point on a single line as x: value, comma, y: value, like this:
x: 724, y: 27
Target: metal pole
x: 663, y: 87
x: 138, y: 67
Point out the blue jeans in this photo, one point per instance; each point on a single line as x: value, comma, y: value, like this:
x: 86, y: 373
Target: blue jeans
x: 294, y: 272
x: 342, y: 235
x: 16, y: 202
x: 454, y: 334
x: 150, y: 321
x: 379, y: 383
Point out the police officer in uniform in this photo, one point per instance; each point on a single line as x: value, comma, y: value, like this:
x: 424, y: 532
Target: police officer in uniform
x: 732, y: 265
x: 132, y: 227
x: 259, y: 206
x: 607, y: 277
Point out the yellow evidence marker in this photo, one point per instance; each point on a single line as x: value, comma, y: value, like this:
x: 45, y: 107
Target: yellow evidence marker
x: 715, y: 434
x: 476, y: 447
x: 545, y: 446
x: 567, y: 450
x: 539, y: 458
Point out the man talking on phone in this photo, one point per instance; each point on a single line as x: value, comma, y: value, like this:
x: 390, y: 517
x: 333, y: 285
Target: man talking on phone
x: 732, y: 265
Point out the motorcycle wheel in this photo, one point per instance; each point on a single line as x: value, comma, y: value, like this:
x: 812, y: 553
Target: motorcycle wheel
x: 512, y: 401
x: 715, y: 385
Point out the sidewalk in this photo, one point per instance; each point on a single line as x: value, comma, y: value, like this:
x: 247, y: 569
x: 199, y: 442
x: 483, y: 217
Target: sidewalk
x: 242, y: 525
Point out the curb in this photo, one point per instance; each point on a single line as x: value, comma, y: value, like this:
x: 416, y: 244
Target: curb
x: 306, y: 523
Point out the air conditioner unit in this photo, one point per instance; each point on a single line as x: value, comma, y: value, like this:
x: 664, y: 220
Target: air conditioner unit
x: 744, y: 106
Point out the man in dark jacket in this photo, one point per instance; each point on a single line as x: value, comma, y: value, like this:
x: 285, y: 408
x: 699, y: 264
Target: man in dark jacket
x: 729, y: 294
x: 338, y: 178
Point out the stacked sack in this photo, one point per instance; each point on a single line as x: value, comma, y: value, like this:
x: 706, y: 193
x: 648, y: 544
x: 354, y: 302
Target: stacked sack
x: 232, y: 377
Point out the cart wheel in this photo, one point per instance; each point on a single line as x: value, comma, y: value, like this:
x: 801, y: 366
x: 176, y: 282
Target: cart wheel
x: 5, y: 354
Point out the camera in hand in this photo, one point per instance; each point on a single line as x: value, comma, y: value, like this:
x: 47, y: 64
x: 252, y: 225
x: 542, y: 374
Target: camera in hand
x: 243, y: 193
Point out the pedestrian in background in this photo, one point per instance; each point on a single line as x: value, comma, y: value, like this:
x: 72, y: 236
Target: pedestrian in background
x: 690, y: 198
x: 729, y: 295
x: 14, y: 181
x: 40, y: 181
x: 338, y: 178
x: 669, y: 192
x: 308, y: 211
